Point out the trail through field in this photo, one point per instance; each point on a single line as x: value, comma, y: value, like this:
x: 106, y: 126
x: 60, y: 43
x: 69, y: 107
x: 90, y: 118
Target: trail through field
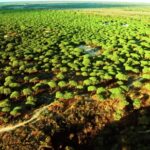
x: 34, y: 118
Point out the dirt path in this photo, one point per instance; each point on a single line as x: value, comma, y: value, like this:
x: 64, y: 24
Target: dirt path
x: 34, y: 118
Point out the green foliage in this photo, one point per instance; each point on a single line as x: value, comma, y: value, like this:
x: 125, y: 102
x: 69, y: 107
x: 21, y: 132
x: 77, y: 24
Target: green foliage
x: 137, y: 103
x: 93, y: 80
x: 15, y: 94
x: 6, y: 109
x: 118, y: 115
x: 60, y: 76
x: 34, y: 80
x: 147, y: 86
x: 91, y: 88
x: 16, y: 111
x: 80, y: 87
x: 52, y: 84
x: 31, y: 101
x: 100, y: 90
x: 72, y: 52
x: 68, y: 95
x: 59, y: 95
x: 86, y: 62
x: 73, y: 83
x: 6, y: 91
x: 137, y: 84
x: 87, y: 82
x: 121, y: 76
x: 14, y: 85
x: 4, y: 103
x: 62, y: 84
x: 2, y: 89
x: 9, y: 78
x: 117, y: 93
x: 146, y: 76
x: 27, y: 91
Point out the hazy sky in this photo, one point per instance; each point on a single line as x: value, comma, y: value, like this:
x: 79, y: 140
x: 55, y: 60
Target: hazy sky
x: 148, y: 1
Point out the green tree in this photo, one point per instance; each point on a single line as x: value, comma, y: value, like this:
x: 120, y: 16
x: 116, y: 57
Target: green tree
x: 146, y: 76
x: 9, y: 78
x: 52, y: 84
x: 6, y: 109
x: 91, y: 88
x: 86, y: 62
x: 7, y: 91
x: 14, y: 85
x: 61, y: 84
x: 60, y: 76
x: 73, y: 83
x: 4, y: 103
x: 31, y: 100
x: 27, y: 91
x: 137, y: 103
x: 100, y: 90
x: 87, y: 82
x: 15, y: 95
x: 2, y: 89
x: 16, y: 111
x: 68, y: 95
x: 121, y: 76
x: 59, y: 95
x: 34, y: 80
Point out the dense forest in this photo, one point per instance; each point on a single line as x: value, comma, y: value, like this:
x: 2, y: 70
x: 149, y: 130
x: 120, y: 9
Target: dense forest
x: 93, y: 72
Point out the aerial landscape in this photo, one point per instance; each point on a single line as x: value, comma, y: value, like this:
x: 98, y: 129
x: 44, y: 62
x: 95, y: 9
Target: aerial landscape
x: 74, y: 75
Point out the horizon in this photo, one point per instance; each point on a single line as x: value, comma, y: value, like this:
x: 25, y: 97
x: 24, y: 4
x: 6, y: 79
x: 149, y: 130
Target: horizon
x: 121, y: 1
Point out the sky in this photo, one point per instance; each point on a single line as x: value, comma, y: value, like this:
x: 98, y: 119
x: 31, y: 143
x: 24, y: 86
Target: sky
x: 146, y: 1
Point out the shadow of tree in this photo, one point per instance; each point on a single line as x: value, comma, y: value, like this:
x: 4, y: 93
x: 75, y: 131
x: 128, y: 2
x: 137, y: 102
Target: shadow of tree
x: 84, y: 125
x: 132, y: 132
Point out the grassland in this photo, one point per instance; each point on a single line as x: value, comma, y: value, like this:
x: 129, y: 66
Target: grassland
x: 125, y: 12
x: 75, y: 79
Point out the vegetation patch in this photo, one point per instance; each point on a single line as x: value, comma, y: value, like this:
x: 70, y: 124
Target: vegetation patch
x: 82, y: 78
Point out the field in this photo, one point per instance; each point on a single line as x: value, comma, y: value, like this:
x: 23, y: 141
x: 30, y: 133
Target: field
x: 66, y: 5
x: 75, y: 79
